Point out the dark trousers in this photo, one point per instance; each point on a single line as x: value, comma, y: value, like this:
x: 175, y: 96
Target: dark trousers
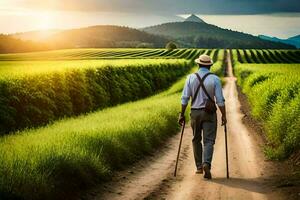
x: 205, y: 123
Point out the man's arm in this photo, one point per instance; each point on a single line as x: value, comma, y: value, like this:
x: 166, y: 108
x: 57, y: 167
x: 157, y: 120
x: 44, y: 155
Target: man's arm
x: 183, y: 108
x: 220, y: 100
x: 186, y: 93
x: 181, y: 115
x: 223, y: 111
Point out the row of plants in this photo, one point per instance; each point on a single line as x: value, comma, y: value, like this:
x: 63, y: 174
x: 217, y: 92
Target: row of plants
x: 267, y: 56
x: 91, y: 54
x: 35, y: 99
x: 274, y: 95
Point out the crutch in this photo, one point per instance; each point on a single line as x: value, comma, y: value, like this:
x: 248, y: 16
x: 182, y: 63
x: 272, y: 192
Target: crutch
x: 227, y: 170
x: 182, y: 130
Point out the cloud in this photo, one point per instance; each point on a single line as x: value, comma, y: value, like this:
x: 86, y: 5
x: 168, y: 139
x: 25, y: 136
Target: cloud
x: 164, y: 7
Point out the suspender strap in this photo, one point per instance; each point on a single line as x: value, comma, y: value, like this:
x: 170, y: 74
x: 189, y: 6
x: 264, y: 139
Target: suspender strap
x: 201, y: 84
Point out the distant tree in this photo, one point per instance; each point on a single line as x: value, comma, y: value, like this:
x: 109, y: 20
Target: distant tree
x: 171, y: 46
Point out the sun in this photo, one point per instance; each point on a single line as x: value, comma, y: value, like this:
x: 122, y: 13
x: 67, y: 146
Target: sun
x: 45, y: 21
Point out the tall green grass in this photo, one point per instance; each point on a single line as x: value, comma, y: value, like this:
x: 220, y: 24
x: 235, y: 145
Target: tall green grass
x: 218, y: 67
x: 273, y: 92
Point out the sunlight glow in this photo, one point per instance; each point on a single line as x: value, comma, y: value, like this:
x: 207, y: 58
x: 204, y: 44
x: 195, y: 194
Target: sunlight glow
x: 45, y: 21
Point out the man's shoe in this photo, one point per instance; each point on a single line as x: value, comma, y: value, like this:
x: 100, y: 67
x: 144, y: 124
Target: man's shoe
x: 206, y: 169
x: 199, y: 171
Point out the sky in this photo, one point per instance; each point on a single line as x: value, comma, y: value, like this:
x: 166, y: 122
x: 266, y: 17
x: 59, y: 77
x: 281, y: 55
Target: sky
x: 278, y: 18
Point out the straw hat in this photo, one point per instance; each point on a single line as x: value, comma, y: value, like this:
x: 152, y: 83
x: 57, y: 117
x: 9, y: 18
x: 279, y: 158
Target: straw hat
x: 204, y: 60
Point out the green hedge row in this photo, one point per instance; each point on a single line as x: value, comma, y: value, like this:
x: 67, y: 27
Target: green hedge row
x: 35, y: 100
x: 274, y: 94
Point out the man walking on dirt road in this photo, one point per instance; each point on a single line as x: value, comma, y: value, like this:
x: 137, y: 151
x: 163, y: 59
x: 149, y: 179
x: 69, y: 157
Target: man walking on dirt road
x: 205, y: 90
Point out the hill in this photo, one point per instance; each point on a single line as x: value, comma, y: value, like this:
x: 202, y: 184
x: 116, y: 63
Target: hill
x: 291, y: 41
x: 9, y: 44
x: 203, y: 35
x: 35, y: 35
x: 104, y: 36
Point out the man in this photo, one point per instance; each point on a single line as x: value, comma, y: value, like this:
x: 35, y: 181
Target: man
x: 203, y: 111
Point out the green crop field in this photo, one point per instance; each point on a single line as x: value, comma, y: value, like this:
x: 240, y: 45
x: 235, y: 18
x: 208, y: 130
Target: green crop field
x: 65, y: 113
x: 38, y: 88
x: 274, y: 95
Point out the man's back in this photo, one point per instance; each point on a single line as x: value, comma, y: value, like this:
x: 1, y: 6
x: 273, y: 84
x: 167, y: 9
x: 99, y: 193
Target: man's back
x: 212, y: 84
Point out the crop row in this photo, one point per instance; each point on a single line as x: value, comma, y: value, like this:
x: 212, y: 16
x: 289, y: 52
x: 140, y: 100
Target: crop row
x: 94, y: 54
x: 23, y: 68
x: 267, y: 56
x: 274, y: 94
x: 36, y: 99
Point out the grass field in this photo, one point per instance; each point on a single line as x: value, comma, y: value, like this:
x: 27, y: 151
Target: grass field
x: 274, y: 94
x: 77, y: 153
x: 73, y: 153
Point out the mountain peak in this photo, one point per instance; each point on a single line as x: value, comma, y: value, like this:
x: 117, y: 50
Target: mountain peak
x: 194, y: 18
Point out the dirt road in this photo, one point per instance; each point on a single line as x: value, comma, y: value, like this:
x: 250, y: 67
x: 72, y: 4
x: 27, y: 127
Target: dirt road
x: 153, y: 178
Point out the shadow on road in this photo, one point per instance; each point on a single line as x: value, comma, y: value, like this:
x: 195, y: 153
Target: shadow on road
x: 257, y: 185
